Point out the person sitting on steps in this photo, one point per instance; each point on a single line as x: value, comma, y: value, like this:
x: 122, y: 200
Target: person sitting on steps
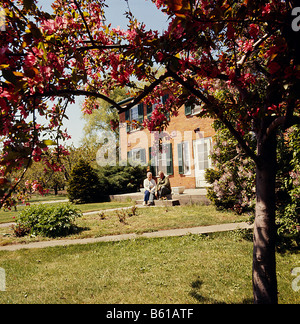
x: 150, y: 186
x: 163, y: 187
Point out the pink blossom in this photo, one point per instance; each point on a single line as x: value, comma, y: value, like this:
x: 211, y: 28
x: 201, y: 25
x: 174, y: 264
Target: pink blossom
x: 48, y: 26
x: 160, y: 56
x: 38, y: 52
x: 266, y: 9
x: 159, y: 3
x: 30, y: 60
x: 246, y: 45
x: 254, y: 31
x: 36, y: 154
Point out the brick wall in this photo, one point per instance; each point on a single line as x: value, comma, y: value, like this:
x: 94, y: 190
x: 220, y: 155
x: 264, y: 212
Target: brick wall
x: 181, y: 128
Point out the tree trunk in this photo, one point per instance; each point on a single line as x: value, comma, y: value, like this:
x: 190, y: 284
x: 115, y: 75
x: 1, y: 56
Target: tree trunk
x: 264, y: 263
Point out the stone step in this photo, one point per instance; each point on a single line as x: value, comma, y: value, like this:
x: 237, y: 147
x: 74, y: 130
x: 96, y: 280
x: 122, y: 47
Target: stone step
x: 162, y: 203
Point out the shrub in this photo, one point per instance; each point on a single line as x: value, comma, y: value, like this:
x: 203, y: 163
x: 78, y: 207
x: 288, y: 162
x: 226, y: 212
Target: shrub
x: 50, y: 221
x: 288, y: 184
x: 123, y: 179
x: 85, y: 186
x: 20, y: 230
x: 233, y: 178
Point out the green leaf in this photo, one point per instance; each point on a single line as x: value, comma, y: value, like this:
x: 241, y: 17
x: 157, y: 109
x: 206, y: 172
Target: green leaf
x: 49, y: 142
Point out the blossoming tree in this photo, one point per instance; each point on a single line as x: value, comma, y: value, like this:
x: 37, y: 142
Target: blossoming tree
x: 238, y: 59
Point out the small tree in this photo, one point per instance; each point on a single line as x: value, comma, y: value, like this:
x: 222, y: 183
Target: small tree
x: 84, y: 185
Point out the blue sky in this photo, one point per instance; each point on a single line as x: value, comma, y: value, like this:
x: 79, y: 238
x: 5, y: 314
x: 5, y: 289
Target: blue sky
x: 145, y: 11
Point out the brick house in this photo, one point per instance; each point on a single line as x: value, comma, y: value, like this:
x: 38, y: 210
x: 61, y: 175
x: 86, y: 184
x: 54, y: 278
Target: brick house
x: 182, y: 151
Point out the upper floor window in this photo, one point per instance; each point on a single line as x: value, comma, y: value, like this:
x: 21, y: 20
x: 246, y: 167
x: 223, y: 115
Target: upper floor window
x: 192, y: 110
x: 134, y: 117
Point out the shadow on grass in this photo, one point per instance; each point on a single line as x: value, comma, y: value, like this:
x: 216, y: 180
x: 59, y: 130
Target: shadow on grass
x: 77, y: 230
x: 196, y: 294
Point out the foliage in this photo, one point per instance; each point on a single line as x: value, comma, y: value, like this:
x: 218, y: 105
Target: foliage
x: 50, y: 221
x: 85, y: 186
x: 99, y: 120
x: 89, y: 184
x: 239, y: 59
x: 122, y: 214
x: 288, y: 182
x: 21, y: 230
x: 123, y: 179
x: 233, y: 176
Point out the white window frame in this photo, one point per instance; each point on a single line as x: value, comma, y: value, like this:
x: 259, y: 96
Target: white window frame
x: 186, y: 158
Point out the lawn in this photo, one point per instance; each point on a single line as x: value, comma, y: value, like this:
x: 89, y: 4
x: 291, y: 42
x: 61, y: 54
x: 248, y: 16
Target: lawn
x: 144, y: 220
x: 8, y: 216
x: 195, y: 269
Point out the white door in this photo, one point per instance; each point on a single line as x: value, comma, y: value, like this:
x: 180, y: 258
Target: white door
x: 202, y: 151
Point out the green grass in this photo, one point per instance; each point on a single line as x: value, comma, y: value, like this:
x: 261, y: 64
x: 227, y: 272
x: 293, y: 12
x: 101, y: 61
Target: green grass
x: 155, y: 219
x: 146, y: 220
x: 201, y: 269
x: 8, y: 216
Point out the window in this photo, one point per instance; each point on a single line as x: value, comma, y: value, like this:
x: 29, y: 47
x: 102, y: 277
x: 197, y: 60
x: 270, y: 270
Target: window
x: 137, y: 157
x: 135, y: 114
x: 203, y: 156
x: 192, y: 109
x: 164, y: 99
x: 162, y: 161
x: 188, y: 109
x: 184, y: 162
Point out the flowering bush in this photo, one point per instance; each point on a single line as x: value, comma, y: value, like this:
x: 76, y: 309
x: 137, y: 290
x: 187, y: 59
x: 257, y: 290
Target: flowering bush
x: 288, y: 183
x: 233, y: 179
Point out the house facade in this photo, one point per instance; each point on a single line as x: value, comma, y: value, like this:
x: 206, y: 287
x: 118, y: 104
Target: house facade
x: 182, y: 151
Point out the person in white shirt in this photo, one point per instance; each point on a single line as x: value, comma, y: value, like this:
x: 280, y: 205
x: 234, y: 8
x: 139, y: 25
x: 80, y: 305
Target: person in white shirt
x: 150, y: 186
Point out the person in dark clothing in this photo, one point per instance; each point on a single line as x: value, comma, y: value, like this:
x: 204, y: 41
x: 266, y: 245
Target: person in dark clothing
x: 163, y: 187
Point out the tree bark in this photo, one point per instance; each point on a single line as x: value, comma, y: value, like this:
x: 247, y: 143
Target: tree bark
x: 264, y: 262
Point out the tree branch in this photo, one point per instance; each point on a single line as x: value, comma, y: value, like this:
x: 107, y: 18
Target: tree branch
x: 255, y: 46
x: 68, y: 92
x: 218, y: 113
x: 146, y: 91
x: 240, y: 139
x: 281, y: 121
x: 84, y: 21
x: 185, y: 84
x: 102, y: 47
